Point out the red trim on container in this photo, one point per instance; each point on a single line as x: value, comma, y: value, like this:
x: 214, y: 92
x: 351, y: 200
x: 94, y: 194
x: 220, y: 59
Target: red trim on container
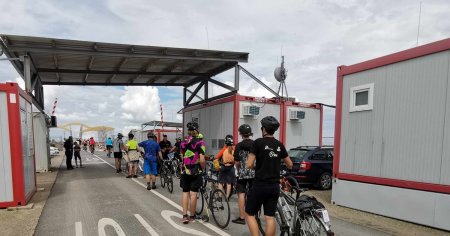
x: 212, y: 103
x: 337, y: 123
x: 236, y: 118
x: 423, y: 50
x: 439, y: 188
x: 283, y: 123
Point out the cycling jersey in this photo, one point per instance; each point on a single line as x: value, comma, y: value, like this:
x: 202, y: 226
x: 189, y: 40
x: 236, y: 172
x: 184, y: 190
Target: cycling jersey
x: 227, y: 157
x: 109, y: 142
x: 151, y: 149
x: 241, y: 154
x: 91, y: 142
x: 192, y: 149
x: 132, y: 144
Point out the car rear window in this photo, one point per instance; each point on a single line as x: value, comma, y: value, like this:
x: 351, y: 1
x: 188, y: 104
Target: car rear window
x: 297, y: 154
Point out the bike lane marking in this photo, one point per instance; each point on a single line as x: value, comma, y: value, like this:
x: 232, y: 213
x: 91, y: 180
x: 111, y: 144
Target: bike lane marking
x: 78, y: 229
x: 103, y: 222
x: 167, y: 216
x: 208, y: 225
x: 144, y: 223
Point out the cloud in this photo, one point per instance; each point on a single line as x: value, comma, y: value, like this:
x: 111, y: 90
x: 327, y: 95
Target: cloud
x: 140, y: 104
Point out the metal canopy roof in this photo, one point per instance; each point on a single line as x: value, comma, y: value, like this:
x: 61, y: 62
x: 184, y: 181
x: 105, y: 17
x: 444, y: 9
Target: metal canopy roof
x: 73, y: 62
x: 155, y: 123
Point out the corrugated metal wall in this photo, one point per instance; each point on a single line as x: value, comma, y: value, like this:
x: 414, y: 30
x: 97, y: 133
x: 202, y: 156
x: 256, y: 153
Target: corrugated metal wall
x: 6, y: 187
x: 255, y: 121
x: 215, y: 122
x: 26, y: 126
x: 40, y: 142
x: 404, y: 136
x: 303, y: 132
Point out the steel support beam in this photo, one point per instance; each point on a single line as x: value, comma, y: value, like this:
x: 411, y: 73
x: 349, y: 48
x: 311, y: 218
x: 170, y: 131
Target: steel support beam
x: 212, y: 99
x: 237, y: 72
x: 259, y: 81
x: 195, y: 92
x: 206, y: 90
x: 222, y: 84
x: 27, y: 73
x: 195, y: 95
x: 49, y: 70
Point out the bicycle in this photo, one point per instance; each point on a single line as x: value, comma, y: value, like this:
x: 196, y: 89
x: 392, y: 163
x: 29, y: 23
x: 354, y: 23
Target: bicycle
x: 176, y: 165
x: 309, y: 216
x: 166, y: 175
x: 215, y: 198
x: 92, y: 148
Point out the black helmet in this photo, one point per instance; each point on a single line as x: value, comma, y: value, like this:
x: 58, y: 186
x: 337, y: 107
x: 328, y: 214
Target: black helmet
x: 192, y: 126
x: 270, y: 123
x: 245, y: 129
x: 120, y: 135
x: 229, y: 140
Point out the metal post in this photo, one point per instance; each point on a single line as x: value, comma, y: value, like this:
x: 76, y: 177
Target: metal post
x: 184, y: 96
x: 27, y: 73
x: 236, y: 77
x: 206, y: 90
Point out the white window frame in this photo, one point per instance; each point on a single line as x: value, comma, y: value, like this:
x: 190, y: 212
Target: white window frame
x: 357, y: 89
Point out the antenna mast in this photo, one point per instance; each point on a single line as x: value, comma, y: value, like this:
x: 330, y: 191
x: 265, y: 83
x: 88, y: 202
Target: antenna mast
x: 280, y: 74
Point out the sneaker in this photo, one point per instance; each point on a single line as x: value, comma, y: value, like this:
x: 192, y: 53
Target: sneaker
x: 185, y: 219
x: 129, y: 176
x: 154, y: 186
x: 239, y: 220
x: 149, y: 187
x: 135, y: 176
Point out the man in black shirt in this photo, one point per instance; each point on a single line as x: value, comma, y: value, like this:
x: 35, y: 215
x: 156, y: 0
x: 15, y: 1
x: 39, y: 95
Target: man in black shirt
x: 245, y: 175
x: 165, y: 146
x: 268, y: 153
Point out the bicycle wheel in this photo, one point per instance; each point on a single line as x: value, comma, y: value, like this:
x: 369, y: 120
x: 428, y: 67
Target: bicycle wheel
x: 200, y: 203
x: 220, y: 208
x: 279, y: 218
x: 310, y: 225
x: 170, y: 183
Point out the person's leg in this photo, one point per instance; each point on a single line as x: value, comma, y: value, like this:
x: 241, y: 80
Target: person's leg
x: 76, y: 162
x: 252, y: 225
x: 130, y: 169
x: 79, y: 155
x: 193, y: 205
x: 135, y: 168
x: 228, y: 190
x: 67, y: 160
x: 241, y: 204
x: 253, y: 205
x: 270, y: 225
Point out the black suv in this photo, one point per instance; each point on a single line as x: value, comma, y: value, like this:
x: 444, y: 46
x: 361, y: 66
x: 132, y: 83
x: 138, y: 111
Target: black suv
x: 312, y: 165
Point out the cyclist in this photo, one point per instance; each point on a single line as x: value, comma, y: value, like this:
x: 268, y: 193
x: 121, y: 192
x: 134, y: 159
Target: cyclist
x: 109, y: 145
x: 92, y: 144
x: 193, y: 150
x: 245, y: 175
x: 117, y: 149
x: 176, y: 148
x: 76, y: 153
x: 151, y: 149
x: 68, y: 146
x: 133, y: 154
x: 268, y: 153
x: 85, y: 143
x: 226, y: 172
x: 165, y: 146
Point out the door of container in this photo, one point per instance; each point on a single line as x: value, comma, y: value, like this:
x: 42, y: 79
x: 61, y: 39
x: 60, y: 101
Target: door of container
x: 26, y: 126
x: 6, y: 185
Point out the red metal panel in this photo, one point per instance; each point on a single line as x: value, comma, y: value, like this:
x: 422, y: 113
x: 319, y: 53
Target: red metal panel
x: 236, y: 119
x: 439, y: 188
x: 337, y: 123
x: 321, y: 125
x: 423, y: 50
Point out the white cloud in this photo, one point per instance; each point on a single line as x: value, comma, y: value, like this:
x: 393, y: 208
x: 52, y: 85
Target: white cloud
x: 140, y: 104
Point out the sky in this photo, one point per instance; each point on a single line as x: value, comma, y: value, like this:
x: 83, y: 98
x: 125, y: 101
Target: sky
x: 314, y: 36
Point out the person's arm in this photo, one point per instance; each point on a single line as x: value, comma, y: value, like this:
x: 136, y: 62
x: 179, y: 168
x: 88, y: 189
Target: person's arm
x: 287, y: 160
x: 220, y: 154
x: 126, y: 147
x: 160, y: 155
x: 251, y: 161
x: 202, y: 161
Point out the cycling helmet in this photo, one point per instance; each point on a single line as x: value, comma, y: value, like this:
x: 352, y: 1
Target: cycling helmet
x: 229, y: 140
x: 119, y: 135
x: 192, y: 126
x: 270, y: 123
x: 245, y: 129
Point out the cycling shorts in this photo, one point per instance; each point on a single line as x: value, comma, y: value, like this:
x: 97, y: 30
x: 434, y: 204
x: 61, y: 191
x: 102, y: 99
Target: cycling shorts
x: 190, y: 183
x: 109, y: 146
x: 242, y: 185
x: 262, y: 195
x: 118, y: 155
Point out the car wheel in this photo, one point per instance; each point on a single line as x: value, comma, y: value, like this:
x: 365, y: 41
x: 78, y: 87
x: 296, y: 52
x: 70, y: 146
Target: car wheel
x: 325, y: 181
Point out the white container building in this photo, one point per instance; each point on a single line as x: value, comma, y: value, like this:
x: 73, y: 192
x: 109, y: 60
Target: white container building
x: 223, y: 116
x: 392, y: 136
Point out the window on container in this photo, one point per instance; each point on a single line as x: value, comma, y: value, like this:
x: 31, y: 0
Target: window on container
x: 361, y: 98
x: 221, y: 143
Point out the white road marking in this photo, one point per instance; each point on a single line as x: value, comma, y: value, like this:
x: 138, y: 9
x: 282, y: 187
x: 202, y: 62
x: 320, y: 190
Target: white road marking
x: 146, y: 225
x: 78, y: 229
x: 167, y: 216
x: 103, y: 222
x: 208, y: 225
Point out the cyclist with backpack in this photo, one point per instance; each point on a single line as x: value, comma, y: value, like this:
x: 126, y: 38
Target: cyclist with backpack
x: 245, y: 175
x: 226, y: 172
x: 268, y: 153
x: 152, y: 153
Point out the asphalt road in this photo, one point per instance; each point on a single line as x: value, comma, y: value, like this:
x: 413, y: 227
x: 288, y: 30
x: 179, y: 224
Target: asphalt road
x: 94, y: 200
